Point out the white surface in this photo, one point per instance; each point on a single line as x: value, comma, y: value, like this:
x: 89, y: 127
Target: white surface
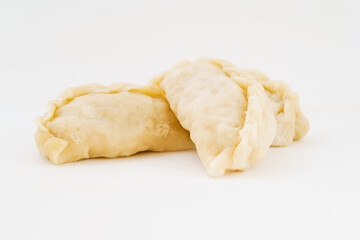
x: 310, y: 190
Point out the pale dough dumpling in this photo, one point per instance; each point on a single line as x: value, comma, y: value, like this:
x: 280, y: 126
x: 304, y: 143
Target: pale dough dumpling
x: 229, y: 118
x: 292, y: 125
x: 119, y: 120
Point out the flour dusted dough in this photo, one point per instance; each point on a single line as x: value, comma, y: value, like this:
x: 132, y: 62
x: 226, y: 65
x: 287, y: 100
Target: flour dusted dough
x: 118, y: 120
x: 292, y: 125
x: 229, y: 117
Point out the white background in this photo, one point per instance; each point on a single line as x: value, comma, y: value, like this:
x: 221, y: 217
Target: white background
x: 310, y: 190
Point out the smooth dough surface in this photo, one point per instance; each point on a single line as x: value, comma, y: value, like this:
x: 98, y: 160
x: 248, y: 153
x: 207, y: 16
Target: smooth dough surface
x: 119, y: 120
x: 230, y: 118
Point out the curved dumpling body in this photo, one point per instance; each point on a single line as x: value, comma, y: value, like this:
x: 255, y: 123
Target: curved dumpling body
x: 97, y: 121
x: 229, y: 118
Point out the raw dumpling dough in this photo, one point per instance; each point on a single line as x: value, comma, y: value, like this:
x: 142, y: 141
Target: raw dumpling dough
x: 292, y: 125
x: 230, y: 118
x: 97, y: 121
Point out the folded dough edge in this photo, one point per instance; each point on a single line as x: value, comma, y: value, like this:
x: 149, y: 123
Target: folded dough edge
x: 292, y: 125
x: 256, y: 136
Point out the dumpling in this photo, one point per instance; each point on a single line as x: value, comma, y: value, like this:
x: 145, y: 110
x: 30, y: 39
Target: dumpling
x: 230, y: 118
x: 292, y: 125
x: 97, y: 121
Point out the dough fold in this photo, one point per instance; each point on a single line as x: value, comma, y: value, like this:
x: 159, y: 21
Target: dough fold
x: 230, y: 118
x: 292, y: 125
x: 119, y: 120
